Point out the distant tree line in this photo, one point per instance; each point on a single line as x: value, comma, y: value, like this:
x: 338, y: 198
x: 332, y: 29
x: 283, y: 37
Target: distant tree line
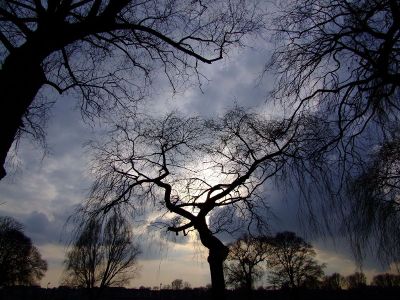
x: 289, y: 262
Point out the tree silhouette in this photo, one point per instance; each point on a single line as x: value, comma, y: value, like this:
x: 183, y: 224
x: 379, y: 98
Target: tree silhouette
x: 187, y: 285
x: 244, y: 264
x: 103, y: 255
x: 339, y: 60
x: 292, y: 261
x: 375, y: 208
x: 105, y: 51
x: 199, y: 175
x: 177, y: 284
x: 334, y: 282
x: 356, y: 280
x: 20, y: 261
x: 386, y: 280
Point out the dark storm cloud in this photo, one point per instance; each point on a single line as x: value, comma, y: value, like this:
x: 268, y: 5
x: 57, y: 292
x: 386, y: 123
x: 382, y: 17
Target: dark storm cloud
x: 40, y: 229
x: 42, y: 194
x: 47, y: 231
x: 43, y: 229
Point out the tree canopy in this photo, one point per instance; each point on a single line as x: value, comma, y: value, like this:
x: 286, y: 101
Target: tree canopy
x: 20, y: 261
x: 334, y: 281
x: 356, y: 280
x: 292, y: 261
x: 103, y: 254
x: 340, y: 58
x: 386, y: 280
x: 104, y: 52
x: 339, y: 61
x: 246, y: 261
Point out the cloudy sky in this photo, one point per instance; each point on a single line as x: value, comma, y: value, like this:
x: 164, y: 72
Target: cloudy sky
x: 42, y: 191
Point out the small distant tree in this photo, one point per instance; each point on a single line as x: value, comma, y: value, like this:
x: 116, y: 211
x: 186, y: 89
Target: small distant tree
x: 177, y: 284
x: 187, y: 285
x: 386, y: 280
x: 334, y: 282
x: 356, y: 280
x: 103, y: 255
x: 292, y: 261
x: 167, y: 287
x: 20, y: 261
x: 312, y: 283
x: 244, y: 263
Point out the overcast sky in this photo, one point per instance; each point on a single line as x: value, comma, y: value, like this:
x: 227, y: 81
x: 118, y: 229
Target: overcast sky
x: 43, y: 191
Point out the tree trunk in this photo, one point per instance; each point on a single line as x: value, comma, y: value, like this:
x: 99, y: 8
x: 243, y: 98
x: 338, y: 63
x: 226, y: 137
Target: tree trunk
x: 217, y: 254
x: 21, y: 77
x: 249, y: 281
x: 216, y: 258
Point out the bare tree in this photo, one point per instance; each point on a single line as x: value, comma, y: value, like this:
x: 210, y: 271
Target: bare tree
x: 375, y: 207
x: 20, y: 261
x: 386, y: 280
x: 292, y: 261
x: 187, y: 285
x: 334, y: 281
x: 104, y: 51
x: 177, y: 284
x: 244, y: 264
x: 84, y: 259
x: 202, y: 176
x: 340, y: 61
x: 356, y: 280
x: 341, y: 58
x: 103, y: 255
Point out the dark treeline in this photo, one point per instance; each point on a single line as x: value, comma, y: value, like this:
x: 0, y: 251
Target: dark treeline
x: 62, y: 293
